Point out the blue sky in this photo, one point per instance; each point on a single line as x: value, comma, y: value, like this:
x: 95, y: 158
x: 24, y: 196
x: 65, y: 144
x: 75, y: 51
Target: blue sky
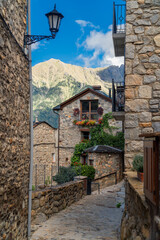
x: 84, y: 37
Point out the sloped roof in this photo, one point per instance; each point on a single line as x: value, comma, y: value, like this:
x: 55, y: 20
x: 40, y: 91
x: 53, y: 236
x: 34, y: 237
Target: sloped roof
x: 82, y: 93
x: 102, y: 149
x: 35, y: 124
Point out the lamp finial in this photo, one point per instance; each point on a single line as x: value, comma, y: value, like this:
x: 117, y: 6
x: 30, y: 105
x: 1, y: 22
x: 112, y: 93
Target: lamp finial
x: 55, y: 6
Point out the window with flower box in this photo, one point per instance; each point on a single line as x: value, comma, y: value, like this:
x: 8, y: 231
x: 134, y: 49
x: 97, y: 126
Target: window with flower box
x: 89, y: 109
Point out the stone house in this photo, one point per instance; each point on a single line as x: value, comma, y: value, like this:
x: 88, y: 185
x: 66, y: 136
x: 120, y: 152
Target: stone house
x: 137, y: 30
x: 80, y: 107
x: 44, y: 153
x: 14, y: 123
x: 108, y: 163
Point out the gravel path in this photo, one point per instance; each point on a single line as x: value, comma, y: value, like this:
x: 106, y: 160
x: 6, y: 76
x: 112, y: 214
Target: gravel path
x: 93, y: 217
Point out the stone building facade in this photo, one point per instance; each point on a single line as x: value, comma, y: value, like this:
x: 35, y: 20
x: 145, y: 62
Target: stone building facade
x: 142, y: 118
x: 142, y: 74
x: 71, y: 134
x: 108, y: 162
x: 14, y: 123
x: 44, y: 153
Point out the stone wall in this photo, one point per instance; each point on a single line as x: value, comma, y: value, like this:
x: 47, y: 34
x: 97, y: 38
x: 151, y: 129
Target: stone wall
x: 104, y: 164
x: 70, y: 134
x: 103, y: 182
x: 137, y: 222
x: 14, y: 12
x: 142, y: 74
x: 44, y: 153
x: 14, y: 125
x: 53, y: 200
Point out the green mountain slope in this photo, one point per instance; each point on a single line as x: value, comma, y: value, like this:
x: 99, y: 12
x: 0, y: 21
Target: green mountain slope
x: 55, y: 82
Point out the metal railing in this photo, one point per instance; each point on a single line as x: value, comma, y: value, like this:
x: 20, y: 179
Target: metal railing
x: 43, y: 176
x: 118, y: 98
x: 119, y: 18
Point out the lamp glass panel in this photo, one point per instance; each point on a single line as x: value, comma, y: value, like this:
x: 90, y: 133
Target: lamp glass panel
x: 50, y: 21
x: 58, y: 23
x: 55, y: 19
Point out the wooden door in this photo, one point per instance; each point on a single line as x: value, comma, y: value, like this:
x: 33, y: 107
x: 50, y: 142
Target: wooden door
x: 151, y: 171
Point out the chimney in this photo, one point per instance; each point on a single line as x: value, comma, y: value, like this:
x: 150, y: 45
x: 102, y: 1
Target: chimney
x: 36, y: 119
x: 96, y: 87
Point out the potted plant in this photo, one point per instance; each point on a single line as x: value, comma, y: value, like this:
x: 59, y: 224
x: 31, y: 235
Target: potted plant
x: 138, y: 166
x: 100, y: 111
x: 76, y: 111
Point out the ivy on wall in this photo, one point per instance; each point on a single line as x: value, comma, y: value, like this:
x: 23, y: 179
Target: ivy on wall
x: 100, y: 135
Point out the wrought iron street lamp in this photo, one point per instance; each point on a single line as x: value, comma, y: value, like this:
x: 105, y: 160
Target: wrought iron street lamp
x: 54, y: 20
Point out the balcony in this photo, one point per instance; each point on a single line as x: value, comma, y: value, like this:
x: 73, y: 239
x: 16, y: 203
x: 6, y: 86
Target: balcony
x: 118, y: 100
x: 119, y: 28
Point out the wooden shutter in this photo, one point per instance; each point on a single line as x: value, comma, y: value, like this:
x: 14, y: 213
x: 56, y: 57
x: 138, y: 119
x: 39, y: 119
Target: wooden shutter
x: 151, y: 171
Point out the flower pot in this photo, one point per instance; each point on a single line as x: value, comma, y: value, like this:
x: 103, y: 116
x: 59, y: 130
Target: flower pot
x: 140, y: 176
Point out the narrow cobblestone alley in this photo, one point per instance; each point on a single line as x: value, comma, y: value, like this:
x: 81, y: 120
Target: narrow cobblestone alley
x: 94, y: 217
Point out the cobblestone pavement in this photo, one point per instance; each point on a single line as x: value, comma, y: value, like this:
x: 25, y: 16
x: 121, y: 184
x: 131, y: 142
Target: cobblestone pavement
x: 94, y: 217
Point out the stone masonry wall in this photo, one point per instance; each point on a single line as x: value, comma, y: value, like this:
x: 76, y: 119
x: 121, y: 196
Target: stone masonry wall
x: 55, y: 199
x: 14, y: 12
x: 43, y: 150
x: 142, y: 74
x: 137, y: 217
x: 104, y: 164
x: 70, y: 134
x: 14, y: 129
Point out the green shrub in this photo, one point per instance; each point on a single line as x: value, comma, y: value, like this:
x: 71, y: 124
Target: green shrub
x: 79, y: 148
x: 33, y: 188
x: 88, y: 171
x: 85, y: 170
x: 138, y: 163
x: 66, y: 174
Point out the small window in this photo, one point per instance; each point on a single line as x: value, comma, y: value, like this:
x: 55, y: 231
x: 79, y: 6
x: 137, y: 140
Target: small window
x: 84, y: 160
x: 85, y: 135
x: 89, y: 109
x: 53, y: 157
x: 91, y: 162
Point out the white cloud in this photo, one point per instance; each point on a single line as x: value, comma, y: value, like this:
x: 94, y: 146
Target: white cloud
x: 35, y: 46
x: 99, y: 50
x: 84, y: 23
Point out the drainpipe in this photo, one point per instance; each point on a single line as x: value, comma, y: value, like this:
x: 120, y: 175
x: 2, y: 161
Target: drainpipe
x: 58, y: 134
x: 31, y: 125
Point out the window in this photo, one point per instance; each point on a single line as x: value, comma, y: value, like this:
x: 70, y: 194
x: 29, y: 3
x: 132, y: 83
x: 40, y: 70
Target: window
x: 85, y: 135
x: 53, y: 157
x: 91, y: 161
x: 89, y: 109
x: 84, y: 160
